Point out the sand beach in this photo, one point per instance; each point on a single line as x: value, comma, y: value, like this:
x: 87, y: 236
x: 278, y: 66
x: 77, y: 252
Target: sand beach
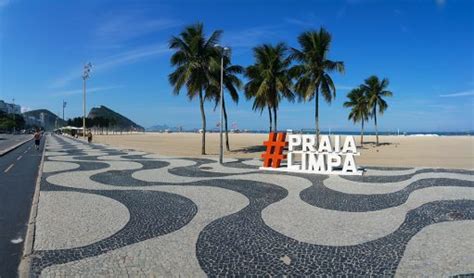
x: 396, y: 151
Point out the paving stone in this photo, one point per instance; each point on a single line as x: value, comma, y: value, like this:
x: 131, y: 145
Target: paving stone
x: 194, y: 217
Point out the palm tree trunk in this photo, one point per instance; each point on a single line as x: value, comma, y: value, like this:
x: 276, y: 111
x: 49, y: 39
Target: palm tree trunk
x: 270, y: 117
x: 362, y: 134
x: 225, y: 125
x: 203, y: 118
x: 376, y: 130
x: 316, y: 115
x: 275, y: 117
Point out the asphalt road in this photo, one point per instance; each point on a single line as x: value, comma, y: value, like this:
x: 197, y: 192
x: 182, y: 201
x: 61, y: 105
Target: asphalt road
x: 18, y: 172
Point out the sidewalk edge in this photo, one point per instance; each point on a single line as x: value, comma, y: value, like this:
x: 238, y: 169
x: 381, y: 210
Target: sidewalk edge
x: 24, y: 267
x: 14, y: 147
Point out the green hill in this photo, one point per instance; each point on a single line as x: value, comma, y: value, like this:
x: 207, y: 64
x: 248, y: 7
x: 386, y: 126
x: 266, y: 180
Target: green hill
x: 120, y: 121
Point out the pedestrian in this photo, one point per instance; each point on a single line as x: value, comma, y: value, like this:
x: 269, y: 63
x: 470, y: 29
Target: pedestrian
x: 89, y: 137
x: 37, y: 137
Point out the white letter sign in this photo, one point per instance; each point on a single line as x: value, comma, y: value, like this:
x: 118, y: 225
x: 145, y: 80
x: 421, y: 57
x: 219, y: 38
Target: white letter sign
x: 327, y: 157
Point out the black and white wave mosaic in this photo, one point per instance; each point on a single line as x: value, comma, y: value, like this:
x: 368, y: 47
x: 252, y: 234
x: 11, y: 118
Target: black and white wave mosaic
x: 194, y: 217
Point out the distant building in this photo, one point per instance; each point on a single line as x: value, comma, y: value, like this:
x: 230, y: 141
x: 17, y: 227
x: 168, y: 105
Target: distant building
x: 9, y: 108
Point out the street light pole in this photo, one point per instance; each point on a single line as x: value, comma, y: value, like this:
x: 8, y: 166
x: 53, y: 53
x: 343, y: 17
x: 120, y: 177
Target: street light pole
x: 64, y: 106
x: 14, y: 120
x: 84, y: 107
x: 221, y: 150
x: 85, y: 75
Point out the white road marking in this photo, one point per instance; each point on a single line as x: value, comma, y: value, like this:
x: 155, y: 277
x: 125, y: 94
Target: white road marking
x: 25, y: 151
x: 19, y: 157
x: 9, y: 167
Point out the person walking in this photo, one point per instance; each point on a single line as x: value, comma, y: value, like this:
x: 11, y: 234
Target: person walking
x: 37, y: 137
x: 89, y: 137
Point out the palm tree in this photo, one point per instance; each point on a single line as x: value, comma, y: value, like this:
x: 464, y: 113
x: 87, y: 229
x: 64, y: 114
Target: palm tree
x: 376, y: 91
x: 359, y: 109
x: 312, y: 72
x: 269, y: 79
x: 191, y: 59
x: 261, y: 102
x: 232, y: 84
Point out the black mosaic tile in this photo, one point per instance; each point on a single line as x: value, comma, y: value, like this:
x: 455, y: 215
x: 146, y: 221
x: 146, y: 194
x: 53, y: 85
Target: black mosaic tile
x: 83, y: 166
x: 397, y: 178
x: 319, y: 195
x: 242, y: 245
x: 152, y: 213
x: 124, y: 177
x: 387, y: 168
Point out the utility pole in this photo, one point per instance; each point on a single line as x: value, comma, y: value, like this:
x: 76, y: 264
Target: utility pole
x: 85, y: 76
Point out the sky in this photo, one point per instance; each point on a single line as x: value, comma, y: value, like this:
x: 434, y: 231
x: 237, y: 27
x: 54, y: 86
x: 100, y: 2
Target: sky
x: 425, y: 48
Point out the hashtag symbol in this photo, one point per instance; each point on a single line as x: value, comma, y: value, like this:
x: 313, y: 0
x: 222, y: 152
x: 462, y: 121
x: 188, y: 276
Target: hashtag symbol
x: 274, y: 153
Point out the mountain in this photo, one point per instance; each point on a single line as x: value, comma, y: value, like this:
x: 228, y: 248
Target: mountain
x: 120, y: 121
x: 43, y: 118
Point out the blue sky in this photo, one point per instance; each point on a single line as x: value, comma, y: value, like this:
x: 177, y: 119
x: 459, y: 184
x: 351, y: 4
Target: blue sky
x: 425, y: 48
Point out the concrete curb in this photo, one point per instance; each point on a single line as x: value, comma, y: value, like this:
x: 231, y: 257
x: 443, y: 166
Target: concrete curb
x: 24, y: 267
x: 14, y: 147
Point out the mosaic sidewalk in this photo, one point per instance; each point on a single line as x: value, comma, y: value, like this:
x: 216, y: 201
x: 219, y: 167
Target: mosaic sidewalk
x: 109, y: 212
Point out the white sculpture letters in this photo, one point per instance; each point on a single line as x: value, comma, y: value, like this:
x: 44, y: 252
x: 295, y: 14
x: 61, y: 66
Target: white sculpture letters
x: 329, y: 158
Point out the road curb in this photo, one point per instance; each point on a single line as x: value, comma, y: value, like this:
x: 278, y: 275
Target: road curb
x: 24, y: 267
x: 14, y: 147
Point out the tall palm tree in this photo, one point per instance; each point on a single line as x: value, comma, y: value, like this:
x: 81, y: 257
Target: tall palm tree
x: 191, y: 59
x: 261, y: 103
x: 359, y: 109
x: 269, y: 79
x: 232, y: 84
x: 376, y: 90
x: 312, y: 72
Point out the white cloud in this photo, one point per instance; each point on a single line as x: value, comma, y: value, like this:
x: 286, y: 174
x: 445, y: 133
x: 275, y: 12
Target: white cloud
x: 120, y: 59
x: 123, y: 27
x: 112, y: 33
x: 62, y: 81
x: 300, y: 22
x: 460, y: 94
x: 250, y: 37
x: 25, y: 109
x: 89, y: 90
x: 132, y: 56
x: 440, y: 3
x: 4, y: 3
x: 308, y: 20
x: 344, y: 87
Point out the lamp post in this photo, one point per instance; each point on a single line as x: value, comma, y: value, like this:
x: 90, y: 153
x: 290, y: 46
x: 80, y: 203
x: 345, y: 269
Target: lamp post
x: 85, y: 76
x: 223, y: 51
x: 14, y: 120
x: 64, y: 106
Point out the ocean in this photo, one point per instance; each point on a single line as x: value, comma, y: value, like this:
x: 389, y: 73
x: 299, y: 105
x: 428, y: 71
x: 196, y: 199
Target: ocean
x: 406, y: 133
